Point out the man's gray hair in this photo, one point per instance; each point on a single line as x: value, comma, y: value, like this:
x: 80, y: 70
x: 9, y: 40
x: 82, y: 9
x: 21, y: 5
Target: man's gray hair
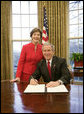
x: 48, y: 44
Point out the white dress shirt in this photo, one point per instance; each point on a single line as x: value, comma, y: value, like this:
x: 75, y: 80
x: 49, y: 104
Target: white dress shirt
x: 49, y: 61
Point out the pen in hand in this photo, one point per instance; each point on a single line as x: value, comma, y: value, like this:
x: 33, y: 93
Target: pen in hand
x: 33, y: 81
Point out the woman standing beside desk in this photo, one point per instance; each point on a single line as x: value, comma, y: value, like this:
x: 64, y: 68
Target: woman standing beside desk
x: 31, y: 54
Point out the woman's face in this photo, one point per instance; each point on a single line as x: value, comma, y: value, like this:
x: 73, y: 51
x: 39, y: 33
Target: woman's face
x: 36, y: 37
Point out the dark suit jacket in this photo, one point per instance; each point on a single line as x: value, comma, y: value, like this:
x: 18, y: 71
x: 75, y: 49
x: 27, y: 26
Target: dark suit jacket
x: 59, y: 70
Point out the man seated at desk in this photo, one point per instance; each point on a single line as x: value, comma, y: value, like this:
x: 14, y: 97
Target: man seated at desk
x: 53, y: 69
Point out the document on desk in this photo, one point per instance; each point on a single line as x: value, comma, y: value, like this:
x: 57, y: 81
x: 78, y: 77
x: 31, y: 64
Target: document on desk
x: 39, y: 88
x: 60, y: 88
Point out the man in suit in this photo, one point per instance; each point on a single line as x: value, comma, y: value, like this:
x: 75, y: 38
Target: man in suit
x: 55, y: 73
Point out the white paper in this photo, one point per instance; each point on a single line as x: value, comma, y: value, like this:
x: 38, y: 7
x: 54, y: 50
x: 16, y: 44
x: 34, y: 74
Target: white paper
x: 39, y: 88
x: 60, y: 88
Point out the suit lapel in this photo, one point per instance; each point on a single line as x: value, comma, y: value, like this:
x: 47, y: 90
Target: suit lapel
x: 54, y: 63
x: 46, y: 69
x: 53, y: 67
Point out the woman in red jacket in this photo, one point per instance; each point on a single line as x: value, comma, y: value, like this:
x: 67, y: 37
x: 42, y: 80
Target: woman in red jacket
x: 30, y: 55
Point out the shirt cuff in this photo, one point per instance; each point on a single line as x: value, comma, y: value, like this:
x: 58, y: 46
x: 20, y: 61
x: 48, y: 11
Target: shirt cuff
x: 61, y: 82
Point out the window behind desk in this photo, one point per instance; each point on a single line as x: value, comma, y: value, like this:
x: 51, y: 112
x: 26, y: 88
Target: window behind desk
x: 24, y: 18
x: 75, y: 39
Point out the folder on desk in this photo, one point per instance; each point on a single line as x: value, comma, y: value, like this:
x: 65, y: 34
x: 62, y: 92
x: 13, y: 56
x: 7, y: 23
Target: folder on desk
x: 57, y: 89
x: 40, y: 88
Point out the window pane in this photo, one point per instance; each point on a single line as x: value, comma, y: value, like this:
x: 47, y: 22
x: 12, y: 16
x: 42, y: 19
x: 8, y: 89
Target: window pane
x: 80, y: 16
x: 80, y: 30
x: 73, y: 45
x: 33, y: 21
x: 73, y: 5
x: 25, y: 20
x: 17, y: 33
x: 25, y: 33
x: 25, y: 42
x: 73, y: 17
x: 30, y: 29
x: 81, y: 5
x: 33, y: 7
x: 73, y: 31
x: 17, y: 46
x: 16, y: 21
x: 80, y: 45
x: 16, y: 7
x: 16, y: 55
x: 24, y: 7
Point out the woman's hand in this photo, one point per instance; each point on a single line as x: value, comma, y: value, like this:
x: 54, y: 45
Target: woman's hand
x: 15, y: 80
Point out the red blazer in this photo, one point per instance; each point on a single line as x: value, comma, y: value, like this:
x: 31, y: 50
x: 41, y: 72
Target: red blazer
x: 29, y: 59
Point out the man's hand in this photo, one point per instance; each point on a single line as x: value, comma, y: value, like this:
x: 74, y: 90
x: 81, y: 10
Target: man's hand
x: 53, y: 84
x: 33, y: 82
x: 15, y: 80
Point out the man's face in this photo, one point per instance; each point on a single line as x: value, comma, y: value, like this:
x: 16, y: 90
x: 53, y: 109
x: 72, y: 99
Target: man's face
x: 47, y: 52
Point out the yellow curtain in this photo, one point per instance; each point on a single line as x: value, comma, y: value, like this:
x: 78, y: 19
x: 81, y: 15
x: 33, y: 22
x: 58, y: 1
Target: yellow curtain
x: 57, y: 23
x: 6, y: 55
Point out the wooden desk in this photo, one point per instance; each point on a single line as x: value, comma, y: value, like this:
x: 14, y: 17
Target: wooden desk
x: 13, y: 100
